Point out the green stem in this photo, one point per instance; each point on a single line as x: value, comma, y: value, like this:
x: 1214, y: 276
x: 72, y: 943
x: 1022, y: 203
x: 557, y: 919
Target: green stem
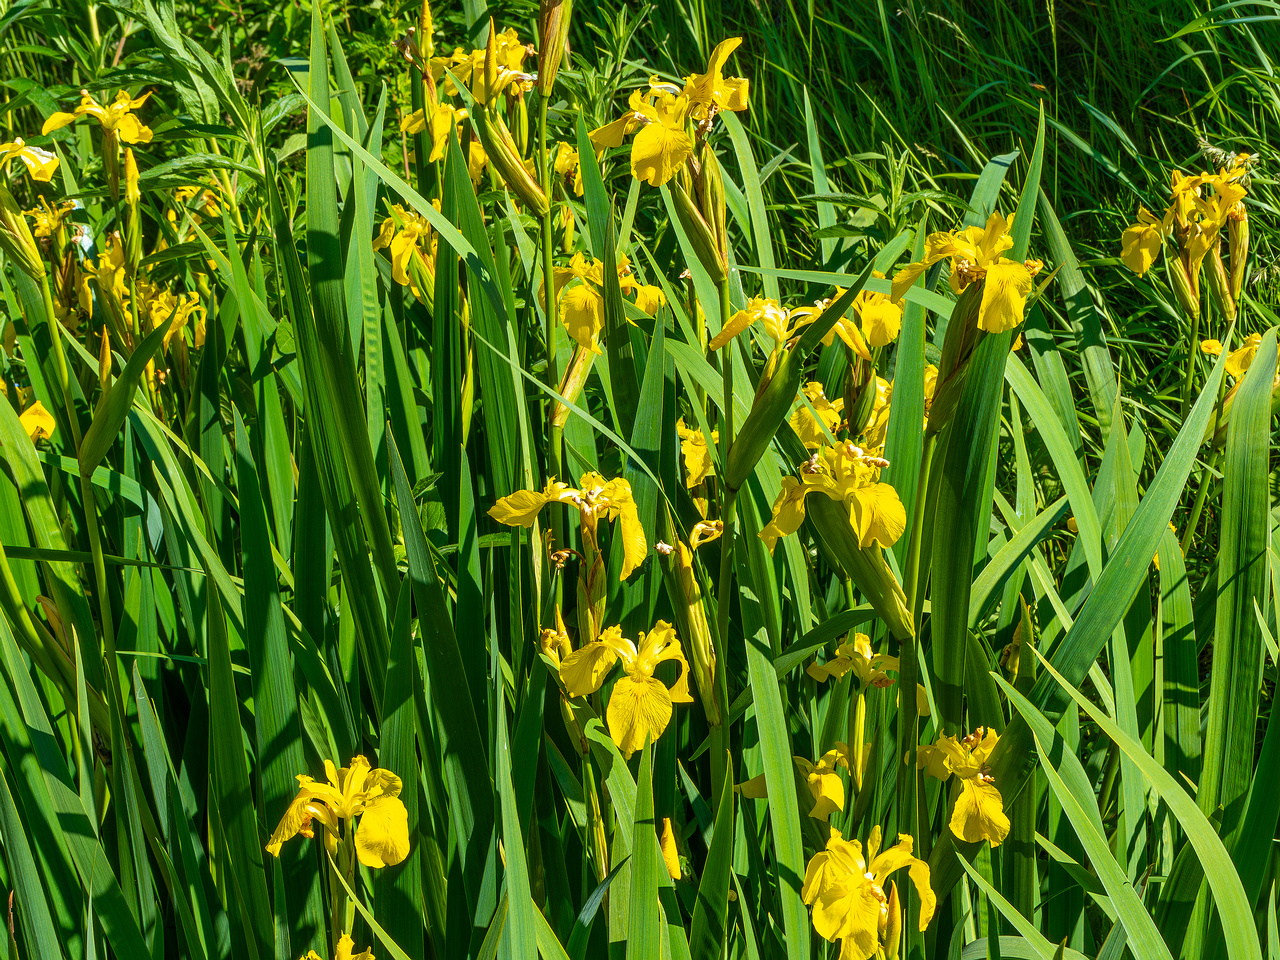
x: 1206, y: 476
x: 1191, y: 365
x: 728, y: 506
x: 86, y: 485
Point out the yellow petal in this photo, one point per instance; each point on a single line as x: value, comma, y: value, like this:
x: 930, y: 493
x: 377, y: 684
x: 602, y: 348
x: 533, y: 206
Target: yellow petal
x: 657, y: 153
x: 612, y: 134
x: 737, y: 323
x: 1212, y: 348
x: 634, y: 545
x: 583, y: 671
x: 520, y: 509
x: 1238, y: 361
x: 877, y: 515
x: 57, y: 121
x: 905, y: 278
x: 881, y: 322
x: 582, y: 313
x: 788, y: 512
x: 826, y: 787
x: 383, y: 835
x: 1004, y: 296
x: 979, y: 813
x: 754, y: 789
x: 835, y: 667
x: 649, y: 298
x: 130, y: 130
x: 639, y: 710
x: 1139, y: 247
x: 895, y: 858
x: 37, y: 421
x: 670, y: 853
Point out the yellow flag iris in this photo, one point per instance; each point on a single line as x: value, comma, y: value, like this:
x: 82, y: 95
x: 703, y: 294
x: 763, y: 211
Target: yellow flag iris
x: 712, y: 91
x: 977, y: 255
x: 640, y: 705
x: 697, y: 457
x: 345, y: 951
x: 410, y: 239
x: 846, y: 889
x: 373, y: 795
x: 841, y: 472
x: 595, y: 498
x: 117, y: 118
x: 868, y: 667
x: 37, y: 421
x: 40, y: 164
x: 824, y: 781
x: 444, y: 117
x: 806, y: 423
x: 979, y: 808
x: 1141, y: 241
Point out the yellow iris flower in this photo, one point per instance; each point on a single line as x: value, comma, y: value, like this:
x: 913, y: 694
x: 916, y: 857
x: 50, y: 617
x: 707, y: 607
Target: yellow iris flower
x: 697, y: 458
x: 977, y: 255
x: 37, y: 421
x: 117, y: 117
x: 373, y: 795
x: 506, y: 75
x: 596, y: 498
x: 411, y: 241
x: 46, y: 220
x: 979, y: 809
x: 662, y: 145
x: 846, y: 890
x: 879, y: 316
x: 1140, y: 243
x: 824, y: 782
x: 780, y: 324
x: 868, y: 667
x: 40, y: 164
x: 640, y: 705
x: 842, y: 472
x: 345, y: 951
x: 568, y: 167
x: 712, y: 91
x: 1238, y: 361
x: 160, y: 303
x: 805, y: 424
x: 444, y: 117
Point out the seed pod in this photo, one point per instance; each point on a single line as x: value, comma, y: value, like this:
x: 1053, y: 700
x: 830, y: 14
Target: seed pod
x: 710, y: 187
x: 691, y: 616
x: 133, y: 228
x: 1219, y: 286
x: 957, y: 348
x: 553, y: 41
x: 1238, y: 245
x: 859, y: 393
x: 505, y: 159
x: 701, y: 237
x: 16, y: 239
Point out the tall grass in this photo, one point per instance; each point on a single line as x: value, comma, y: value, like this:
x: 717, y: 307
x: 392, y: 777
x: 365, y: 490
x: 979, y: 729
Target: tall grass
x: 291, y: 380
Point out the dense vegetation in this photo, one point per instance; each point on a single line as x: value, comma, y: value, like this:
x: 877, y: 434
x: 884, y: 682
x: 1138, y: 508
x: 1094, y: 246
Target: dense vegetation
x: 582, y: 479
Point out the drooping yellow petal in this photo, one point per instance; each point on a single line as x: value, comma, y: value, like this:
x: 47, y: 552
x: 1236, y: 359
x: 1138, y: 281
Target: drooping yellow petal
x: 901, y: 855
x: 639, y: 711
x: 788, y: 512
x: 845, y: 904
x: 650, y: 298
x: 623, y: 505
x: 56, y: 121
x: 881, y: 322
x: 979, y: 813
x: 584, y: 670
x: 612, y: 134
x: 38, y: 421
x: 754, y: 789
x: 877, y: 514
x: 806, y: 425
x: 383, y: 835
x: 519, y: 509
x: 1140, y: 245
x: 1238, y: 361
x: 697, y: 457
x: 313, y: 799
x: 658, y: 152
x: 1004, y: 296
x: 582, y: 313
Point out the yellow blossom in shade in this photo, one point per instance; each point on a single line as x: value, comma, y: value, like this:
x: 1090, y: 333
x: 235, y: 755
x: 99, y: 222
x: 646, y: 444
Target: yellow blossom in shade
x: 711, y: 91
x: 610, y: 499
x: 650, y: 298
x: 40, y: 163
x: 1141, y: 241
x: 37, y: 421
x: 159, y: 304
x: 978, y: 813
x: 476, y: 160
x: 806, y: 424
x: 373, y: 795
x: 117, y: 117
x: 670, y: 852
x: 1238, y: 361
x: 568, y: 167
x: 345, y: 951
x: 554, y: 643
x: 697, y: 458
x: 46, y: 220
x: 846, y: 890
x: 640, y: 705
x: 868, y: 667
x: 824, y: 782
x: 977, y: 254
x: 841, y: 472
